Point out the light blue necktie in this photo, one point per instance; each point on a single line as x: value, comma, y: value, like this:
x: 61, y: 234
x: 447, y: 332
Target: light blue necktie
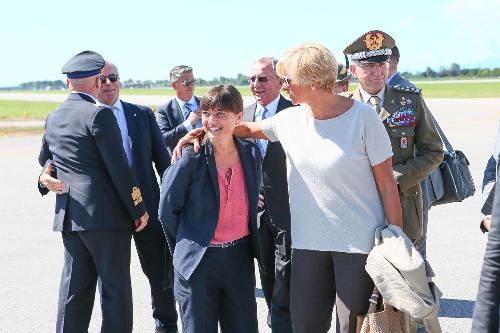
x: 122, y: 124
x: 261, y: 142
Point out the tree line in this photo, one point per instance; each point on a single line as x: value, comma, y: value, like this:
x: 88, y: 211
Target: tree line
x: 453, y: 71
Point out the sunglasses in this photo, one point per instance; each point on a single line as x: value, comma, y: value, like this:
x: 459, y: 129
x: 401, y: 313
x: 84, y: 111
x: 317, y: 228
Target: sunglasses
x: 111, y: 77
x: 286, y: 80
x: 187, y: 83
x: 261, y: 79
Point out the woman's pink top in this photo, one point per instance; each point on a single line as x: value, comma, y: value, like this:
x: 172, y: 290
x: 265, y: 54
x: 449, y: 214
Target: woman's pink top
x: 233, y: 210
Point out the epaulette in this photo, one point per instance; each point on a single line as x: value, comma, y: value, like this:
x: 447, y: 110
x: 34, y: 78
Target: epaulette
x: 415, y: 90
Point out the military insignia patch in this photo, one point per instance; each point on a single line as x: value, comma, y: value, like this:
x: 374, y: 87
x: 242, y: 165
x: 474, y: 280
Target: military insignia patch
x: 373, y: 41
x: 405, y: 116
x: 136, y: 195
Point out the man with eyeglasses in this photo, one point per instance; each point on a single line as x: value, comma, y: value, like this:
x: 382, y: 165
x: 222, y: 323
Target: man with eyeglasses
x: 416, y: 145
x: 179, y: 115
x: 98, y: 202
x: 274, y: 229
x: 143, y: 145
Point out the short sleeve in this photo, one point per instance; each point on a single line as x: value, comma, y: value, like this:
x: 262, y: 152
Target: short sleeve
x: 268, y: 127
x: 377, y: 142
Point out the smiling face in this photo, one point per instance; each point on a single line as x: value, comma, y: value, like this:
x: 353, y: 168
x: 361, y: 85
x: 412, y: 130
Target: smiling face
x: 110, y: 91
x: 219, y: 124
x: 183, y: 91
x: 266, y: 84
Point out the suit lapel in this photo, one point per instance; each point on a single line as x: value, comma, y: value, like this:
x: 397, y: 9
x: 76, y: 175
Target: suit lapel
x: 390, y: 105
x: 247, y: 165
x: 212, y: 169
x: 282, y: 104
x: 249, y: 115
x: 177, y: 112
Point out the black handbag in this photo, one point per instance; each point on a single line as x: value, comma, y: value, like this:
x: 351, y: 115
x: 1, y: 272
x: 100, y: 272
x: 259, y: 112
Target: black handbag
x: 457, y: 179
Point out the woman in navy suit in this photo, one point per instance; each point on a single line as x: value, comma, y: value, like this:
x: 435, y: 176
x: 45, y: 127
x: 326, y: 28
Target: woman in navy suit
x: 208, y: 210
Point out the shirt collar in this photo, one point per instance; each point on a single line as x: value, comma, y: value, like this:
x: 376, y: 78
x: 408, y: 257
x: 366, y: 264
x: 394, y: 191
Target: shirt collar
x: 116, y: 106
x: 192, y: 103
x: 366, y: 96
x: 272, y: 107
x: 83, y: 93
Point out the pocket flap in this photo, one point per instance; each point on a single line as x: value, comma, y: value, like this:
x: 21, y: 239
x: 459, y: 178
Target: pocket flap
x: 399, y: 132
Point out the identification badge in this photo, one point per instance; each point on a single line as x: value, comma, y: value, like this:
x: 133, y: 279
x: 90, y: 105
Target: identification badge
x: 404, y: 142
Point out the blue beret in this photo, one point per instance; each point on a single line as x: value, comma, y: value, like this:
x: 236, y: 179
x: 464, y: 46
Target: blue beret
x: 84, y: 64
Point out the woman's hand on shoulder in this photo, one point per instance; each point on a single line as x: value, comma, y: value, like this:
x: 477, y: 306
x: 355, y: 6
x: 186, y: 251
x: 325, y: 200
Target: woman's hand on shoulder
x: 193, y: 137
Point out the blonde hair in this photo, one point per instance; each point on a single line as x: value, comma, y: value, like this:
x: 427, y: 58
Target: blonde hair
x: 309, y: 64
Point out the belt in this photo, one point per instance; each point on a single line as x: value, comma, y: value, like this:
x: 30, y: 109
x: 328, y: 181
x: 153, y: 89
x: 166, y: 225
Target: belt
x: 231, y: 243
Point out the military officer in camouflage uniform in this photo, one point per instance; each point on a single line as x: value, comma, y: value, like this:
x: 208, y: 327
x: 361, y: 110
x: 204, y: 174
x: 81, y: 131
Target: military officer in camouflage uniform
x: 406, y: 118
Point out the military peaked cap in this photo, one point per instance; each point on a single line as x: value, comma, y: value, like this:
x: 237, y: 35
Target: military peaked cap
x: 373, y: 46
x: 84, y: 64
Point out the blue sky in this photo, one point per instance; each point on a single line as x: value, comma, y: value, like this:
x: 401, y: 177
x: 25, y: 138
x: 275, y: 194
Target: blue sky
x: 222, y: 38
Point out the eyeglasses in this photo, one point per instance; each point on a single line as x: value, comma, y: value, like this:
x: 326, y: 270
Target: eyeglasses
x: 287, y: 80
x: 216, y: 114
x: 111, y: 77
x: 373, y: 66
x: 261, y: 79
x: 189, y: 82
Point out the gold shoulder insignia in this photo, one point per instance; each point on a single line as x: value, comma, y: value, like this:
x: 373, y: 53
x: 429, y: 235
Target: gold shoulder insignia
x: 136, y: 195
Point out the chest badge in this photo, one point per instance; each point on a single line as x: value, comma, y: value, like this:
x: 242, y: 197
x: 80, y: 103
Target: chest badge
x: 404, y: 142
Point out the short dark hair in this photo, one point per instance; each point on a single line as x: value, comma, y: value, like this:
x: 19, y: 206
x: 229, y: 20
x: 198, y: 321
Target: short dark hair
x: 395, y: 54
x: 222, y: 97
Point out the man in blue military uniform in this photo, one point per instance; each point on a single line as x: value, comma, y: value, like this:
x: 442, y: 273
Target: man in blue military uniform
x: 98, y: 202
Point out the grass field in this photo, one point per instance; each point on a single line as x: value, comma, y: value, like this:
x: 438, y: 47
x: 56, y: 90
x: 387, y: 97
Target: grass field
x: 25, y: 109
x: 10, y: 109
x: 20, y: 131
x: 431, y: 89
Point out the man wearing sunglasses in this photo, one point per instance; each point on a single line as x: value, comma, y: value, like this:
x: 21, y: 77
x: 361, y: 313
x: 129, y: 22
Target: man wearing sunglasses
x: 143, y: 145
x: 179, y: 115
x: 274, y: 229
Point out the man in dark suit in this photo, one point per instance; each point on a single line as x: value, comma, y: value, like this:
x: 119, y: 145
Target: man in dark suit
x: 98, y: 201
x: 179, y: 115
x: 394, y: 78
x: 143, y: 144
x: 274, y: 229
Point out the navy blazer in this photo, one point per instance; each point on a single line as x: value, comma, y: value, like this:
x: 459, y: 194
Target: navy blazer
x: 398, y: 80
x: 102, y: 192
x: 147, y: 146
x: 190, y: 201
x: 274, y: 174
x: 170, y: 119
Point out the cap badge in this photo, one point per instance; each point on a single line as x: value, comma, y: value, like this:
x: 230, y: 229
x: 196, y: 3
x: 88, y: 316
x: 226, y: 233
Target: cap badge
x: 373, y: 42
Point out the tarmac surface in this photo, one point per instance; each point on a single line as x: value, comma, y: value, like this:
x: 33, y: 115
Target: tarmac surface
x: 31, y: 254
